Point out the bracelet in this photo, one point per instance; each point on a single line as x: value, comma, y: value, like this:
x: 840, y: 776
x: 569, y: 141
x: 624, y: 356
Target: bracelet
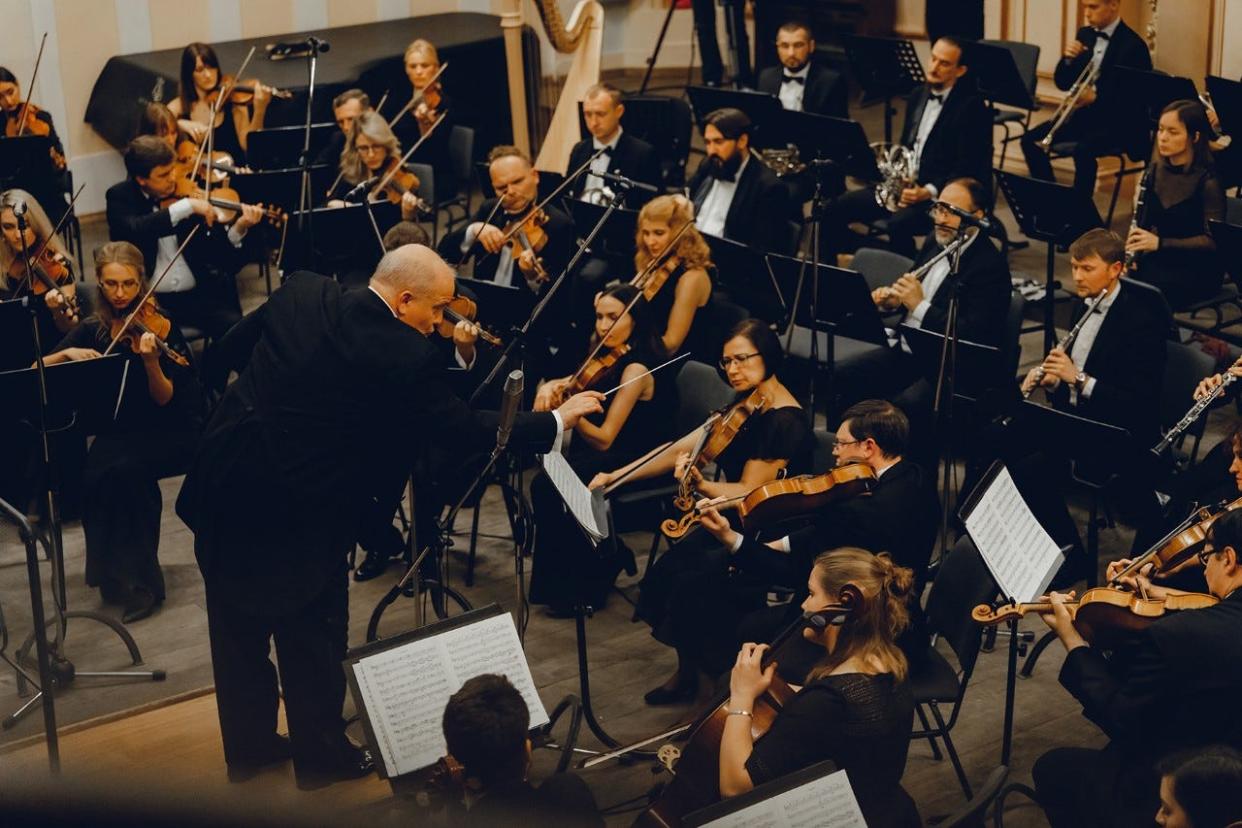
x: 745, y: 713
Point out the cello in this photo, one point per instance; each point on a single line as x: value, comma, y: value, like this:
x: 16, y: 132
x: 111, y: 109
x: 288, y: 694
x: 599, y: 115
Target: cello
x: 696, y: 767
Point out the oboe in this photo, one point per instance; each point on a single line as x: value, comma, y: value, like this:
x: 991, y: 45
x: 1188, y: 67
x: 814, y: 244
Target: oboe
x: 1193, y: 414
x: 1068, y: 342
x: 949, y: 249
x: 1140, y: 198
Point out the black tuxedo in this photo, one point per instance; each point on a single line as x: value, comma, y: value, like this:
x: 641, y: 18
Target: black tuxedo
x: 1105, y: 126
x: 984, y: 285
x: 633, y: 158
x: 555, y: 255
x: 1161, y: 692
x: 960, y: 143
x: 826, y: 93
x: 760, y: 210
x: 212, y: 304
x: 286, y: 471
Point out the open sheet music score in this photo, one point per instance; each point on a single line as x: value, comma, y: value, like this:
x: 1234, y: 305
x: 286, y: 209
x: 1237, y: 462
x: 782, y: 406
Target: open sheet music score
x: 1020, y: 553
x: 817, y: 797
x: 402, y: 688
x: 586, y: 506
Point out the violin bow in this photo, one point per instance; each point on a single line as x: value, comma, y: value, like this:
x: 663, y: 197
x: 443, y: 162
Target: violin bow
x: 646, y: 373
x: 21, y: 125
x: 416, y: 97
x: 552, y: 195
x: 151, y: 290
x: 383, y: 100
x: 383, y: 182
x: 55, y: 230
x: 209, y: 144
x: 638, y: 464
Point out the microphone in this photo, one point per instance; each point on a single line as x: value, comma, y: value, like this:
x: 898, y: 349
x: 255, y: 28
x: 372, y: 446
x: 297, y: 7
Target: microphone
x: 18, y: 206
x: 296, y: 48
x: 626, y: 182
x: 514, y: 385
x: 361, y: 189
x: 985, y: 224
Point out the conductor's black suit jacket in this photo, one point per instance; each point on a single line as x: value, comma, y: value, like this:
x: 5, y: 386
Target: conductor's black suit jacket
x: 337, y: 392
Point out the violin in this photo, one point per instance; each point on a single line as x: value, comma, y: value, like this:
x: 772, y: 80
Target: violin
x: 395, y: 183
x: 721, y: 434
x: 781, y: 500
x: 148, y: 319
x: 1180, y: 545
x: 243, y: 92
x: 650, y: 282
x: 696, y: 767
x: 24, y: 120
x: 1104, y: 616
x: 226, y: 201
x: 48, y: 271
x: 527, y: 233
x: 594, y: 370
x: 464, y: 309
x: 432, y: 97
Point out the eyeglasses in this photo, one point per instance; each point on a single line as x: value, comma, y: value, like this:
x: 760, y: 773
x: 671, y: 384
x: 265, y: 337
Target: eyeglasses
x: 369, y: 148
x: 1205, y: 553
x: 725, y: 362
x: 843, y: 443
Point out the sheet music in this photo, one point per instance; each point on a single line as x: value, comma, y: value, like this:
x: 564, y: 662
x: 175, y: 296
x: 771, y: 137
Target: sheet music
x: 405, y: 689
x: 1020, y: 553
x: 575, y: 494
x: 827, y: 802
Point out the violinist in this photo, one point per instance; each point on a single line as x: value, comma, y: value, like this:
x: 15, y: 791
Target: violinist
x: 1162, y: 691
x: 635, y: 418
x: 855, y: 708
x: 685, y: 284
x: 422, y: 62
x: 900, y: 516
x: 1171, y: 245
x: 346, y: 108
x: 201, y: 81
x: 50, y: 190
x: 54, y: 282
x: 200, y: 290
x: 369, y: 155
x: 152, y: 437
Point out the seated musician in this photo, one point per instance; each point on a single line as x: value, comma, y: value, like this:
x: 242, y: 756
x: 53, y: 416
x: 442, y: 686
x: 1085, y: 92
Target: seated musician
x: 1162, y: 691
x: 347, y: 107
x: 369, y: 155
x: 51, y: 189
x: 486, y: 729
x: 802, y: 84
x: 565, y: 571
x: 948, y: 131
x: 625, y: 154
x: 200, y: 82
x: 982, y: 286
x: 158, y: 120
x: 153, y: 437
x: 737, y: 197
x: 1200, y: 787
x: 855, y: 708
x: 55, y: 315
x: 516, y: 184
x: 200, y: 289
x: 1172, y: 245
x: 1100, y: 124
x: 422, y: 61
x: 681, y: 302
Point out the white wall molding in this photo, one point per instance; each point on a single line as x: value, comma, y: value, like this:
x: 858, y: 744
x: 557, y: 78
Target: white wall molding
x: 133, y: 26
x: 310, y: 14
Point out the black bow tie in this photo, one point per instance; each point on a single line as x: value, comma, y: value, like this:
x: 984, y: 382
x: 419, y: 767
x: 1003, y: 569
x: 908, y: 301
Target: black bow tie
x: 794, y: 79
x: 604, y: 152
x: 1103, y: 34
x: 937, y: 97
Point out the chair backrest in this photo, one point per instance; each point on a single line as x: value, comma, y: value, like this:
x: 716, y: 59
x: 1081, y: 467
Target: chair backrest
x: 962, y: 583
x: 700, y: 391
x: 974, y: 813
x: 426, y: 181
x: 461, y: 153
x: 1026, y: 56
x: 1011, y: 346
x: 880, y: 267
x: 1233, y: 210
x: 1185, y: 365
x: 822, y: 460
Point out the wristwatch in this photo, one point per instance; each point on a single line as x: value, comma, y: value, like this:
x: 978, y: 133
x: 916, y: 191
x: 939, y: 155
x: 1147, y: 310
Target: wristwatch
x: 1080, y: 380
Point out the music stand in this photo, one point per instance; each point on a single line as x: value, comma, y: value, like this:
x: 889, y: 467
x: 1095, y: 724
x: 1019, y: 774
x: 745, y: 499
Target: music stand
x: 998, y: 78
x: 1150, y: 92
x: 1227, y: 99
x: 616, y: 239
x: 1228, y: 238
x: 25, y: 159
x: 977, y: 367
x: 345, y: 233
x: 1054, y: 214
x: 838, y: 140
x: 814, y: 799
x: 885, y: 67
x: 281, y: 188
x: 276, y: 148
x: 501, y: 307
x: 760, y: 107
x: 742, y: 277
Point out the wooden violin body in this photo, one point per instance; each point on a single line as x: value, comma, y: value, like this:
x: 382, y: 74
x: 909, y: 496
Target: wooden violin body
x: 241, y: 92
x: 594, y: 370
x: 723, y: 431
x: 1177, y: 548
x: 463, y: 308
x: 24, y: 120
x: 527, y: 233
x: 148, y: 319
x: 49, y: 271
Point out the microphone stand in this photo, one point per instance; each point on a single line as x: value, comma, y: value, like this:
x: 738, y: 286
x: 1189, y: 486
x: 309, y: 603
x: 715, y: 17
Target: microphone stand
x: 818, y: 206
x: 305, y: 213
x: 942, y: 402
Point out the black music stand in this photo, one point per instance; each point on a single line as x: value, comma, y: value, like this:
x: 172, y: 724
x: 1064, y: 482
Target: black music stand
x: 25, y: 159
x: 1228, y: 238
x: 1150, y: 92
x: 760, y: 107
x: 281, y: 188
x: 885, y: 67
x: 742, y: 277
x: 977, y: 367
x: 501, y: 307
x: 839, y: 140
x: 344, y: 234
x: 277, y: 148
x: 1227, y: 98
x: 16, y: 344
x: 1054, y: 214
x: 616, y: 239
x: 719, y: 813
x: 998, y: 78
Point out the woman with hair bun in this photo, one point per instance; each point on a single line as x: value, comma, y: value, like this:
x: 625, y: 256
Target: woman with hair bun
x: 855, y: 709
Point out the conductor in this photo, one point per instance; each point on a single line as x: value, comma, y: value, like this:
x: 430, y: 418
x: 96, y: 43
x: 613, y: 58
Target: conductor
x: 339, y: 389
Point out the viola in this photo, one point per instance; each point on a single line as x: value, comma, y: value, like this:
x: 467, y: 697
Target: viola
x: 696, y: 767
x: 24, y: 120
x: 241, y: 92
x: 148, y: 319
x: 464, y: 309
x: 1180, y: 545
x: 432, y: 98
x: 782, y: 500
x: 527, y: 233
x: 721, y: 434
x: 594, y: 370
x: 1104, y: 615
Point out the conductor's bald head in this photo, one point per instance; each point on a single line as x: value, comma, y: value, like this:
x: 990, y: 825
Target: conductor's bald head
x: 417, y: 285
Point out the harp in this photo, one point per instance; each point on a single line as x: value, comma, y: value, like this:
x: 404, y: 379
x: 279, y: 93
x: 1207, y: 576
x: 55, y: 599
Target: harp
x: 582, y: 39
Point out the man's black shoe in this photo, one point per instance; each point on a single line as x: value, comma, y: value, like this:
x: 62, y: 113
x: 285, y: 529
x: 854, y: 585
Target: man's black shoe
x: 279, y: 750
x: 139, y: 604
x: 353, y: 763
x: 373, y: 566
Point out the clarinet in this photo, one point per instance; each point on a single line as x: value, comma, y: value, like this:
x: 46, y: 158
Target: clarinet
x: 1193, y: 414
x: 1068, y: 342
x: 1140, y: 198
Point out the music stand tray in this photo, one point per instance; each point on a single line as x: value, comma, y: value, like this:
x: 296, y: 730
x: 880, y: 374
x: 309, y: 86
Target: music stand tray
x: 346, y: 231
x: 1228, y: 239
x: 839, y: 140
x: 25, y: 158
x: 1151, y: 92
x: 844, y: 300
x: 742, y: 277
x: 501, y: 307
x: 997, y: 75
x: 977, y: 366
x: 277, y: 148
x: 617, y: 236
x: 1227, y: 98
x: 282, y: 188
x: 760, y: 107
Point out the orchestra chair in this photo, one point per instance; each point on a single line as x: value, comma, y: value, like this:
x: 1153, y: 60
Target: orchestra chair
x: 974, y: 813
x: 881, y: 268
x: 1026, y: 57
x: 1186, y: 365
x: 1228, y: 236
x: 461, y: 153
x: 962, y: 583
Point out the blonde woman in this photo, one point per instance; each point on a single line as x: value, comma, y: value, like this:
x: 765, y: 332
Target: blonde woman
x: 422, y: 61
x: 53, y: 311
x: 370, y: 153
x: 688, y: 286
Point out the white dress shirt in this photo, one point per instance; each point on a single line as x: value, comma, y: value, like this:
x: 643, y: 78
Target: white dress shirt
x: 599, y: 165
x: 792, y: 93
x: 715, y: 207
x: 1081, y: 349
x: 931, y: 114
x: 504, y: 259
x: 932, y: 282
x: 1101, y: 43
x: 180, y: 278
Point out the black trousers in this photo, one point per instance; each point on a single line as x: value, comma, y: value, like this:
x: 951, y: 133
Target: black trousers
x: 1089, y: 144
x: 705, y: 28
x: 310, y: 645
x: 860, y: 206
x: 1085, y: 787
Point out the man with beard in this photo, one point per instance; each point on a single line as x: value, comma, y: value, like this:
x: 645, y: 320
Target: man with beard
x: 736, y: 197
x: 801, y: 83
